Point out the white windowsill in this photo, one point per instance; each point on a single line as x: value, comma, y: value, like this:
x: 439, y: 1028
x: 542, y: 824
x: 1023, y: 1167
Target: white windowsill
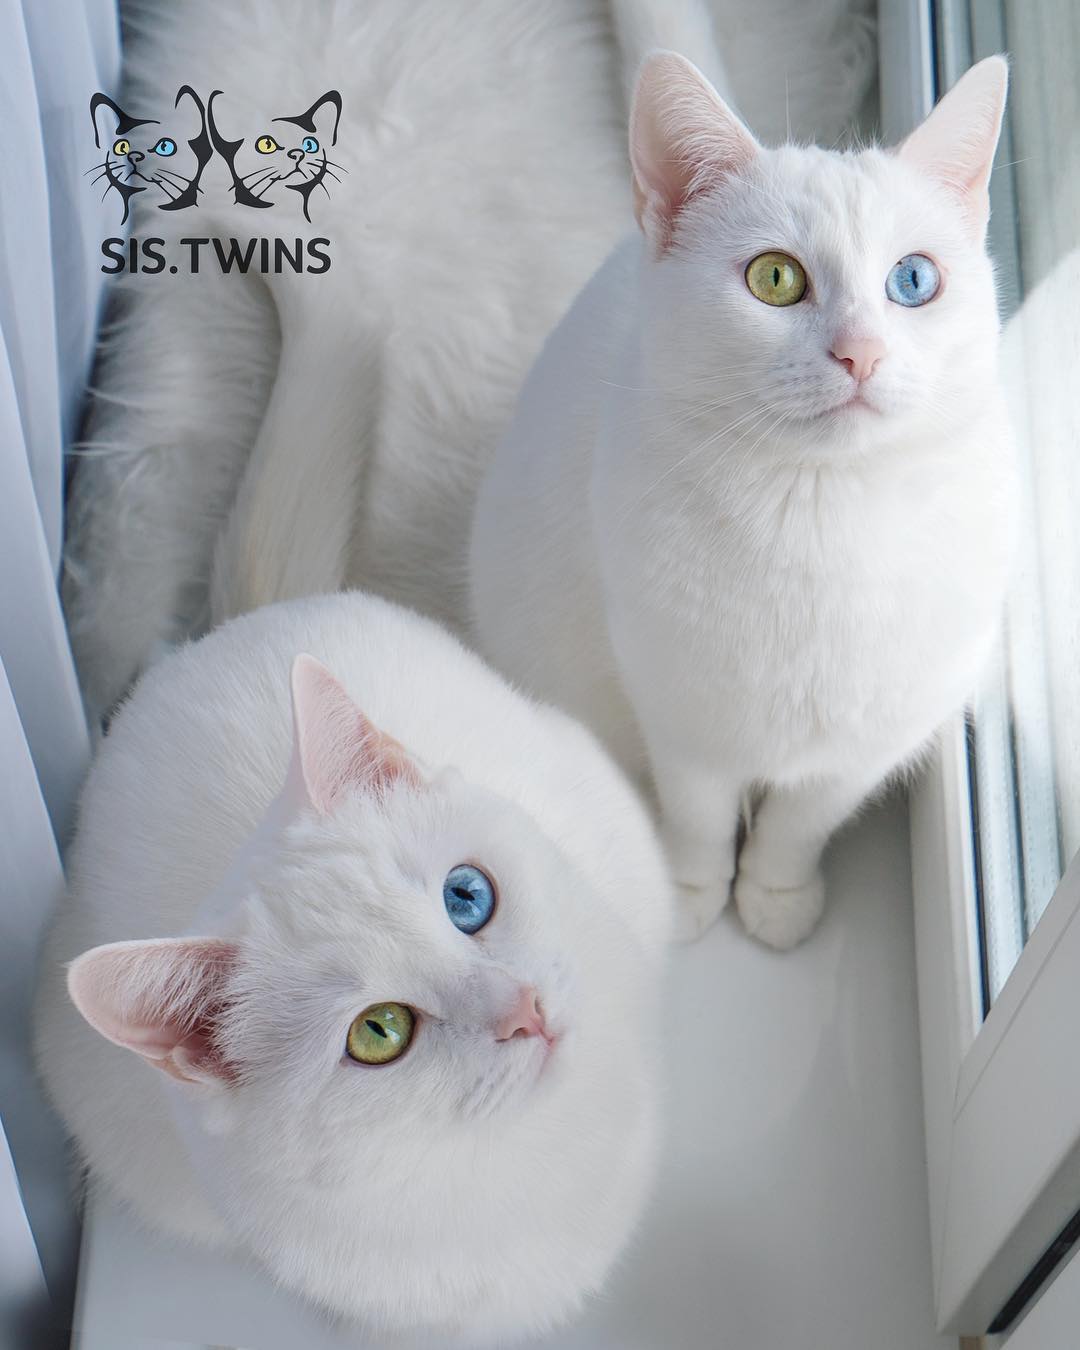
x: 791, y: 1209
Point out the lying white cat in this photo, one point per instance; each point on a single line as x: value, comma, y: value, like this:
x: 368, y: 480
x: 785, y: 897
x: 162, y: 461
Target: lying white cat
x: 753, y: 518
x: 317, y: 431
x: 393, y: 1023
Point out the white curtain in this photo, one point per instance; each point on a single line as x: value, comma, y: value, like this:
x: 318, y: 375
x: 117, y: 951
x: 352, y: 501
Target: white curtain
x: 55, y: 54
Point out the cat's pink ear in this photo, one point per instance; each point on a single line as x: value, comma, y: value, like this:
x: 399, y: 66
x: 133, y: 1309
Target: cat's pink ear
x: 160, y: 998
x: 957, y: 141
x: 335, y: 748
x: 684, y: 139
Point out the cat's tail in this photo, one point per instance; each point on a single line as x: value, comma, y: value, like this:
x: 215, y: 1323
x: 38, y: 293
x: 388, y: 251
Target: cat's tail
x: 683, y: 26
x: 289, y: 531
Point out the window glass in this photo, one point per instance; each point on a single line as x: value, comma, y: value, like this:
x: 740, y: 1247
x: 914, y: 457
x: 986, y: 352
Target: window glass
x: 1024, y: 735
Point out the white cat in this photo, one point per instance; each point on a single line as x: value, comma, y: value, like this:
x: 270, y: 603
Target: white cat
x: 484, y: 894
x: 752, y: 520
x: 327, y: 429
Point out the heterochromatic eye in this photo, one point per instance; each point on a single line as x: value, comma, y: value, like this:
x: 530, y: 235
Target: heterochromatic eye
x: 122, y: 147
x: 166, y: 146
x: 776, y: 278
x: 914, y: 280
x: 310, y: 144
x: 380, y: 1033
x: 266, y: 145
x: 469, y: 896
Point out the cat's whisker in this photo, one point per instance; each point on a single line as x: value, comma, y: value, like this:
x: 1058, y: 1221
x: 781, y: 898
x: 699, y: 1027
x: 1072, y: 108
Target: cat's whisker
x: 269, y: 178
x: 662, y: 417
x: 663, y: 421
x: 103, y: 165
x: 745, y: 454
x: 786, y: 464
x: 256, y: 172
x: 334, y: 164
x: 172, y: 176
x: 691, y: 454
x: 698, y: 382
x: 695, y: 383
x: 705, y: 407
x: 265, y: 171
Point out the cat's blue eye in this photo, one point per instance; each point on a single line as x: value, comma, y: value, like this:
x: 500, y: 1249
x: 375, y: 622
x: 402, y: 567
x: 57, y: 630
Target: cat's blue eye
x: 469, y: 897
x: 913, y: 281
x: 166, y: 146
x: 309, y: 144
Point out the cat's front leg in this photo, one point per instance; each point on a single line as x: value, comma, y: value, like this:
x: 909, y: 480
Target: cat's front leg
x: 779, y: 890
x: 699, y: 816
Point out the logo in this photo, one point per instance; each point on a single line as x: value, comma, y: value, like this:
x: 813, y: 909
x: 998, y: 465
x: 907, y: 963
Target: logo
x: 286, y: 164
x: 128, y: 169
x: 298, y: 161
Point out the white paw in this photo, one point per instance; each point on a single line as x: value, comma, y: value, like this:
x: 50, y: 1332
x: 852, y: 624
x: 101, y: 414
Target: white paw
x: 697, y: 908
x: 780, y: 918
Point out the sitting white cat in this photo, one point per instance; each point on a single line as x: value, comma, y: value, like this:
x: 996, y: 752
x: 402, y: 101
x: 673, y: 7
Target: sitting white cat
x: 753, y: 518
x: 388, y: 1028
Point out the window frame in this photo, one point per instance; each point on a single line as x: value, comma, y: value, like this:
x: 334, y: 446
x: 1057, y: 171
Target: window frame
x: 1002, y: 1114
x: 1002, y: 1110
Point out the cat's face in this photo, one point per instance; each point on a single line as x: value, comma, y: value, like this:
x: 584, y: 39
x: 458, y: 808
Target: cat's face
x: 159, y: 162
x: 358, y: 913
x: 286, y: 159
x: 387, y: 1052
x: 822, y: 301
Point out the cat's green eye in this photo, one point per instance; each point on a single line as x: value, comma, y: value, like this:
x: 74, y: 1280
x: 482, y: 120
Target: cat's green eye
x: 380, y: 1033
x: 122, y: 147
x: 776, y: 279
x: 266, y: 145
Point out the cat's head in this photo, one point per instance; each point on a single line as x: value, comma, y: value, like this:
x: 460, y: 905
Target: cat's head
x: 396, y: 1081
x: 817, y: 301
x: 288, y: 156
x: 164, y: 159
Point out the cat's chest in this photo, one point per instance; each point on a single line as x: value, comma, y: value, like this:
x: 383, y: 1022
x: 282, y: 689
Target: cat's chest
x: 829, y: 598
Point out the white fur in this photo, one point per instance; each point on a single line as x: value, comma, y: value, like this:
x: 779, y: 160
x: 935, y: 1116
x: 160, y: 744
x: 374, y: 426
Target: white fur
x: 455, y: 1188
x: 679, y: 541
x: 485, y: 149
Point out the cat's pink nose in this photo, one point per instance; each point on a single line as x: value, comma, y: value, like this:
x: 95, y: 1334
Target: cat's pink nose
x: 860, y: 355
x: 523, y: 1019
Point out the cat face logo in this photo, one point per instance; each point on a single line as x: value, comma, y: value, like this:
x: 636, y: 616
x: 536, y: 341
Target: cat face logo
x: 293, y: 159
x: 167, y: 163
x: 169, y: 160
